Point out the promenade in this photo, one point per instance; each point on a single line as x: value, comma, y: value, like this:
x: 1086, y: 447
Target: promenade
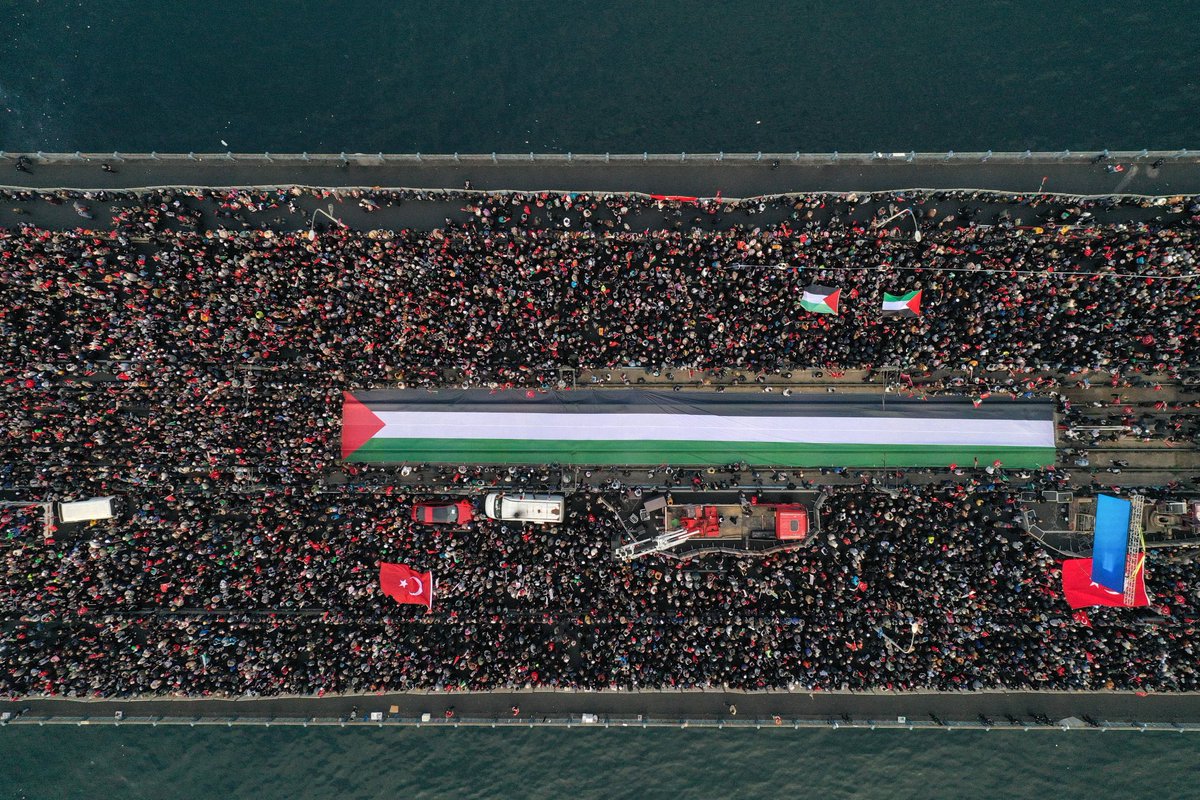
x: 705, y: 175
x: 654, y: 706
x: 332, y: 190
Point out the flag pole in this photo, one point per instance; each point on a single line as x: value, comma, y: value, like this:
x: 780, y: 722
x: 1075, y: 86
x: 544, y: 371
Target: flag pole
x: 432, y: 589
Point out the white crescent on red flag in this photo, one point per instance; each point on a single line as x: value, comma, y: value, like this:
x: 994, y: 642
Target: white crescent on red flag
x: 406, y: 585
x: 1081, y: 591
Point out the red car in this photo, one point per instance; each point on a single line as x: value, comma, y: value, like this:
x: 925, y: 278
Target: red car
x: 457, y: 513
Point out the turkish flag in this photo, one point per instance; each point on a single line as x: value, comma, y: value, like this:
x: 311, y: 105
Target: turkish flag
x: 1081, y: 591
x: 404, y: 584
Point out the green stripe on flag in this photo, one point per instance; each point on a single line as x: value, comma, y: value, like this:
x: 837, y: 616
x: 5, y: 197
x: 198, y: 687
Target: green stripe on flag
x: 782, y: 454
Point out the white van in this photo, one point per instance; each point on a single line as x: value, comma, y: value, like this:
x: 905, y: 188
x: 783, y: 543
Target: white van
x: 86, y: 510
x: 540, y: 509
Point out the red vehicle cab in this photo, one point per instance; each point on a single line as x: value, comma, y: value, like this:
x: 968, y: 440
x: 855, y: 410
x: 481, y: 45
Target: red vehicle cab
x: 457, y: 513
x: 791, y: 522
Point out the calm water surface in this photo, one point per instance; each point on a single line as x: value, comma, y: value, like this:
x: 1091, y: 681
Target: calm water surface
x: 665, y: 76
x: 138, y: 762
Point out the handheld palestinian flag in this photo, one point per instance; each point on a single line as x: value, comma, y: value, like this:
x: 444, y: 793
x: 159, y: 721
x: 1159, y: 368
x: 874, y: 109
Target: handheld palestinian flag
x: 821, y: 299
x: 902, y: 305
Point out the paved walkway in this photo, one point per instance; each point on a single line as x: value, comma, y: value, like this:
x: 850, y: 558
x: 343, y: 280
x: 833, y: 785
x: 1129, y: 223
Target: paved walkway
x: 663, y: 705
x: 1176, y: 175
x: 436, y: 209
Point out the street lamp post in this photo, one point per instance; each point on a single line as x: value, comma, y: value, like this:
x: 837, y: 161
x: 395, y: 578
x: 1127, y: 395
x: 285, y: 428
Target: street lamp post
x: 313, y: 223
x: 916, y: 224
x: 915, y: 627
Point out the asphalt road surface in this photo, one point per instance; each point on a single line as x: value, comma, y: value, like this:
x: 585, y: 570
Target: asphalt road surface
x: 658, y: 705
x: 1175, y: 175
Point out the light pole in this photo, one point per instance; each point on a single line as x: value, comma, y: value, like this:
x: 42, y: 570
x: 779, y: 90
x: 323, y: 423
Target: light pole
x: 313, y: 224
x: 888, y: 371
x: 915, y: 627
x: 909, y: 211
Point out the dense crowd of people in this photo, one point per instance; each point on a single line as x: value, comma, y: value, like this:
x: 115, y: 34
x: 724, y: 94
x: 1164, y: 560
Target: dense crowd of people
x: 190, y: 360
x: 532, y: 283
x: 208, y: 595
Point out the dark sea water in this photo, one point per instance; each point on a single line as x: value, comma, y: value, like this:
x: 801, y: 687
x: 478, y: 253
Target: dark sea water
x: 133, y: 763
x: 666, y: 76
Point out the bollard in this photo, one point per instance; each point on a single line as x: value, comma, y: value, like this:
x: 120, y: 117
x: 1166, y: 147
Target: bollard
x: 759, y: 157
x: 153, y: 156
x: 192, y: 156
x: 683, y: 157
x: 912, y: 155
x: 721, y: 156
x: 569, y: 157
x: 835, y: 156
x: 1064, y: 154
x: 949, y: 154
x: 40, y: 156
x: 645, y: 155
x: 229, y: 155
x: 117, y: 156
x: 1028, y: 154
x: 419, y: 155
x: 456, y: 156
x: 382, y: 158
x: 1144, y: 153
x: 987, y: 155
x: 494, y: 161
x: 304, y: 156
x: 796, y: 156
x: 1182, y: 153
x: 531, y: 155
x: 607, y: 157
x: 79, y: 156
x: 267, y: 156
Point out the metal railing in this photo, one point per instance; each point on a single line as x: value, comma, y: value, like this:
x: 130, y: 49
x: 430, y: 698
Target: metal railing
x: 606, y: 721
x: 797, y: 158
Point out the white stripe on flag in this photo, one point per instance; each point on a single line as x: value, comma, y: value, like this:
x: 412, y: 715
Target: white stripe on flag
x: 544, y: 426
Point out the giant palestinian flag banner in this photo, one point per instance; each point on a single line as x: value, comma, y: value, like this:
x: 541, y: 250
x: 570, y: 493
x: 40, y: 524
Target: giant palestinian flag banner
x: 617, y: 427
